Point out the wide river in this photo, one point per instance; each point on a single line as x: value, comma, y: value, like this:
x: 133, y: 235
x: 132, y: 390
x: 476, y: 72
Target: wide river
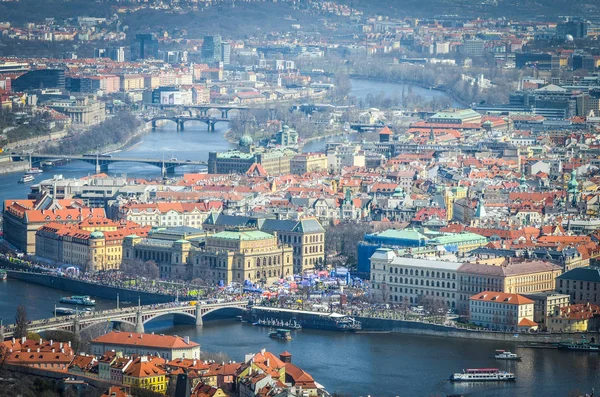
x: 363, y: 364
x: 354, y: 365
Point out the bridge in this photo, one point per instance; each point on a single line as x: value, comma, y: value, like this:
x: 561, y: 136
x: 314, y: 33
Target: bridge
x: 180, y: 121
x: 200, y: 110
x: 135, y: 316
x: 101, y: 162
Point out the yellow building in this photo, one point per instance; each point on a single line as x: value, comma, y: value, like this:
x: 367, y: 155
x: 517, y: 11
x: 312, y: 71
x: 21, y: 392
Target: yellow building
x: 95, y: 243
x: 146, y: 373
x: 574, y: 318
x: 500, y: 311
x: 308, y: 162
x: 241, y: 254
x: 131, y: 82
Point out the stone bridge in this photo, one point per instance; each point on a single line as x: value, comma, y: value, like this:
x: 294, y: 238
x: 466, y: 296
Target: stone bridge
x: 136, y: 316
x: 101, y: 162
x: 181, y: 120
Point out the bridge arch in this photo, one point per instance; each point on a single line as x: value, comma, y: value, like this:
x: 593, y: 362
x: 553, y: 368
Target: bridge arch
x: 182, y: 315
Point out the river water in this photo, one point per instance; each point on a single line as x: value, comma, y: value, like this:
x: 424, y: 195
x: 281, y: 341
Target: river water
x: 362, y: 364
x: 355, y: 365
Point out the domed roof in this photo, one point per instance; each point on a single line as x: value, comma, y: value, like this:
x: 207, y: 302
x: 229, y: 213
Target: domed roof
x: 246, y: 140
x: 97, y: 234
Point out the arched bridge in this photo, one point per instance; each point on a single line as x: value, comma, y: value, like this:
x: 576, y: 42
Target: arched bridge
x: 181, y: 120
x: 136, y: 316
x: 101, y: 162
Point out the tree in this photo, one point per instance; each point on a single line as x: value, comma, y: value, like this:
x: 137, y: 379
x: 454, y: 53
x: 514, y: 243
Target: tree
x: 20, y: 322
x: 151, y: 270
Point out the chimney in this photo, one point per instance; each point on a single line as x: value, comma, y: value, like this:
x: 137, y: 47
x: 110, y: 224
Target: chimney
x: 23, y: 339
x: 41, y: 341
x: 51, y: 342
x: 69, y: 343
x: 187, y: 340
x: 61, y: 345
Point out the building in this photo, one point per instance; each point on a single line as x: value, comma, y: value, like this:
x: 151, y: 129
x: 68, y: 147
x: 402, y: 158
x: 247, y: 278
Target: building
x: 473, y: 48
x: 308, y: 162
x: 43, y: 353
x: 146, y: 373
x: 211, y: 49
x: 119, y: 54
x: 168, y: 347
x: 22, y: 218
x: 499, y: 311
x: 581, y: 317
x: 396, y: 279
x: 340, y: 155
x: 456, y: 116
x: 144, y: 47
x: 83, y: 111
x: 116, y: 391
x: 226, y: 53
x: 545, y: 304
x: 306, y: 235
x: 94, y: 243
x: 240, y: 254
x: 39, y: 79
x: 582, y: 284
x: 286, y: 136
x: 272, y: 161
x: 510, y: 277
x: 168, y: 214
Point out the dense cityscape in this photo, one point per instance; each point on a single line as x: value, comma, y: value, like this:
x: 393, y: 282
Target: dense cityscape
x: 299, y: 198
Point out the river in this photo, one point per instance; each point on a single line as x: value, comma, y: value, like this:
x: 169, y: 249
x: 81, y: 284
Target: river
x: 363, y: 364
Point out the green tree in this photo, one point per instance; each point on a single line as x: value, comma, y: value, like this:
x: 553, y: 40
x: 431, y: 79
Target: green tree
x: 20, y: 322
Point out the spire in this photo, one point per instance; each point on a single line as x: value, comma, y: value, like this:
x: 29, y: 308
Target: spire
x: 480, y: 210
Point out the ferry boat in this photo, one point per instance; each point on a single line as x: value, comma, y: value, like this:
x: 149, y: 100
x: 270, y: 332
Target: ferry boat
x: 506, y: 355
x: 34, y: 170
x: 482, y: 375
x: 78, y: 300
x: 283, y: 334
x: 279, y: 323
x: 26, y: 178
x: 64, y: 311
x: 582, y: 346
x: 3, y: 274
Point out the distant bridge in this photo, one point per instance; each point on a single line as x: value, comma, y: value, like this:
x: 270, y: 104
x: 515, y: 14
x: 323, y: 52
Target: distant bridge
x: 102, y: 162
x: 180, y: 121
x: 200, y: 110
x: 135, y: 316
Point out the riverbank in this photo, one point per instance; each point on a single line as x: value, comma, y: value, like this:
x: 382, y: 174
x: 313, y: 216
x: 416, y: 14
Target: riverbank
x: 8, y: 166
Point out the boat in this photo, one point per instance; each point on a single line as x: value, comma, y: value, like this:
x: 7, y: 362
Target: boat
x: 583, y: 346
x: 84, y: 300
x: 34, y: 171
x: 64, y: 311
x: 3, y: 274
x: 293, y: 324
x: 283, y: 334
x: 506, y: 355
x: 482, y: 375
x: 26, y: 178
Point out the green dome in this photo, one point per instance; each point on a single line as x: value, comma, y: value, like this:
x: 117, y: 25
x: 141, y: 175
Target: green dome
x: 97, y: 234
x: 246, y: 140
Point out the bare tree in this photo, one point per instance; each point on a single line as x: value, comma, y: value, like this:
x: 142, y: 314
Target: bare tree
x: 151, y: 270
x: 20, y: 322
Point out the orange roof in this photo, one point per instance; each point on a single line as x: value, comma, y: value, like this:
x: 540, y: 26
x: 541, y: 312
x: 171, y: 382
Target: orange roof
x: 146, y: 340
x: 501, y: 297
x: 525, y: 322
x: 143, y: 368
x: 385, y: 131
x: 116, y: 391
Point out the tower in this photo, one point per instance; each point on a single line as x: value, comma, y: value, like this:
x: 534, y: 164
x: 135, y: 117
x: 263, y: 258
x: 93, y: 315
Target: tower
x: 573, y: 189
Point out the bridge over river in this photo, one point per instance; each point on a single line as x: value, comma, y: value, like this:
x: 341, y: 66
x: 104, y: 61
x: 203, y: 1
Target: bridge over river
x: 136, y: 316
x: 101, y: 162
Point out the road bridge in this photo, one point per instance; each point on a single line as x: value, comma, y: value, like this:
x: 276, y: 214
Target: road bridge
x: 101, y: 162
x: 135, y: 316
x: 200, y: 110
x: 181, y: 120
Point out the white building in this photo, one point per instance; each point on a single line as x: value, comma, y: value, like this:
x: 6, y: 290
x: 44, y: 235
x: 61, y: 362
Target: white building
x: 345, y: 155
x: 396, y: 279
x: 168, y: 347
x: 501, y: 311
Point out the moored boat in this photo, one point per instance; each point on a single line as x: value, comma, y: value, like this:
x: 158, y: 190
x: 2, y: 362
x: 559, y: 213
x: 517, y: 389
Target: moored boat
x: 26, y: 178
x: 78, y: 300
x: 506, y: 355
x: 34, y: 170
x: 3, y: 274
x: 482, y: 375
x: 64, y: 311
x: 279, y: 323
x: 583, y: 346
x: 283, y: 334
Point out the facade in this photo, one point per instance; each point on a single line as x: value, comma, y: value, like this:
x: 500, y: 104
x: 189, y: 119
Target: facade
x: 308, y: 162
x: 168, y: 347
x: 273, y: 161
x: 146, y: 373
x: 211, y: 49
x: 241, y: 254
x: 545, y: 304
x: 144, y: 47
x: 508, y: 277
x: 94, y: 243
x: 22, y: 218
x: 306, y: 236
x: 169, y: 214
x: 582, y: 284
x: 581, y: 317
x: 39, y: 79
x: 83, y: 111
x: 396, y: 279
x: 501, y: 312
x: 344, y: 155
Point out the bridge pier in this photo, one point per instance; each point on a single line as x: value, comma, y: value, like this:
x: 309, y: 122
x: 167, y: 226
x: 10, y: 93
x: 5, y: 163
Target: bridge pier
x: 211, y: 126
x: 199, y: 322
x: 153, y: 124
x: 139, y: 322
x: 224, y: 114
x: 180, y: 124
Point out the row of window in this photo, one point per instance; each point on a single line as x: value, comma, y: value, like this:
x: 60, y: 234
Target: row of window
x: 422, y: 273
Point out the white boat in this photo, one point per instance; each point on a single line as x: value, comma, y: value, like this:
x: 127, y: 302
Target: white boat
x: 482, y: 375
x: 506, y: 355
x: 34, y: 171
x: 26, y: 178
x: 64, y: 311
